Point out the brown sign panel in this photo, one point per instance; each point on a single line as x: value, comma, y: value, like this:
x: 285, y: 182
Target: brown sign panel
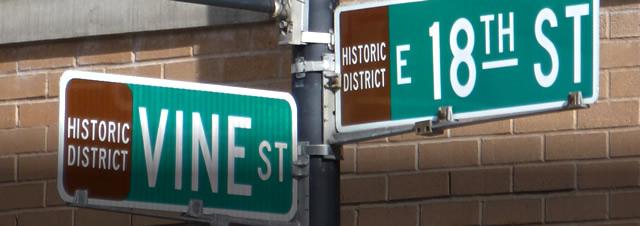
x: 97, y: 139
x: 364, y: 66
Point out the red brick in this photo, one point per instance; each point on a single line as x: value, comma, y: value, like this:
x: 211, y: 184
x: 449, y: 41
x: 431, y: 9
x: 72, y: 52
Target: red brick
x: 490, y: 128
x: 8, y: 60
x: 265, y: 36
x: 625, y: 23
x: 63, y: 217
x: 22, y: 140
x: 20, y: 196
x: 204, y: 70
x: 151, y: 71
x: 576, y: 146
x: 52, y: 196
x: 449, y: 154
x: 604, y: 85
x: 576, y: 208
x: 383, y: 159
x: 38, y: 114
x: 481, y: 181
x: 604, y: 25
x: 367, y: 189
x: 348, y: 161
x: 625, y: 83
x: 611, y: 174
x: 545, y: 122
x: 511, y: 150
x: 511, y: 212
x: 47, y: 55
x: 614, y: 224
x: 53, y: 84
x: 162, y: 45
x: 137, y: 220
x: 23, y: 86
x: 619, y: 53
x: 418, y: 185
x: 110, y: 50
x: 625, y: 143
x: 547, y: 177
x: 625, y: 204
x: 450, y: 213
x: 8, y: 220
x: 609, y: 114
x: 7, y: 116
x: 7, y: 169
x: 52, y: 139
x: 88, y: 217
x: 222, y: 40
x: 35, y: 167
x: 282, y: 85
x: 246, y: 68
x: 347, y: 217
x: 384, y: 216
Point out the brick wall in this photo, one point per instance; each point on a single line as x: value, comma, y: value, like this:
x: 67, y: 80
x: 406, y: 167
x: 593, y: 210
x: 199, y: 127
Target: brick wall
x: 579, y: 167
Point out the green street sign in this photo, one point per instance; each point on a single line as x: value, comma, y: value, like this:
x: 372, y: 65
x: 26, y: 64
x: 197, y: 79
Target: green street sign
x: 157, y: 144
x: 400, y: 61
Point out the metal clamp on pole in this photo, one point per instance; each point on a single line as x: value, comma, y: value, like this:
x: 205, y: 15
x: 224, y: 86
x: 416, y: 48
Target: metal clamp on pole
x: 324, y: 150
x: 326, y: 66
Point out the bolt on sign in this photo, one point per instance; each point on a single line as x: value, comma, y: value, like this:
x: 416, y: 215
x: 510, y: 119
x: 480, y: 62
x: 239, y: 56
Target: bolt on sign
x: 399, y: 61
x: 157, y: 144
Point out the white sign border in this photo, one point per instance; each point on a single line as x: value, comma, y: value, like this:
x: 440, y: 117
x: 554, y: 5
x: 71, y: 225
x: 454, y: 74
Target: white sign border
x: 551, y: 106
x: 122, y: 79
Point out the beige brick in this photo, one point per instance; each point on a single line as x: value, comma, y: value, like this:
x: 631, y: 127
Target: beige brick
x: 625, y: 143
x: 511, y: 150
x: 489, y: 128
x: 22, y: 140
x: 576, y: 208
x: 8, y: 220
x: 151, y: 71
x: 449, y: 154
x: 246, y: 68
x: 38, y: 114
x: 162, y: 45
x: 20, y: 196
x: 544, y: 122
x: 481, y: 181
x: 110, y: 50
x: 604, y: 85
x: 418, y: 185
x: 625, y: 83
x: 8, y: 60
x: 34, y: 167
x: 47, y: 55
x: 413, y: 137
x: 547, y: 177
x: 63, y: 217
x: 604, y: 25
x: 7, y: 116
x: 625, y: 204
x: 576, y: 146
x: 347, y: 217
x: 53, y: 84
x: 384, y: 216
x: 207, y: 70
x: 52, y: 196
x: 450, y: 213
x: 625, y: 23
x: 619, y: 53
x: 88, y: 217
x: 265, y: 36
x: 348, y: 161
x: 383, y: 159
x: 137, y: 220
x: 512, y: 211
x: 614, y: 224
x: 222, y: 40
x: 368, y: 189
x: 52, y: 139
x: 609, y: 114
x: 7, y: 169
x: 611, y: 174
x: 18, y: 87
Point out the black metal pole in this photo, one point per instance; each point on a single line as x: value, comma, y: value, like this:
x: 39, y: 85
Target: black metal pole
x: 324, y: 178
x: 265, y: 6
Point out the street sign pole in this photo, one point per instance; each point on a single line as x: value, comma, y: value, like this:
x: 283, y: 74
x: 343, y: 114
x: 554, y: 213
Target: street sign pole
x: 307, y: 90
